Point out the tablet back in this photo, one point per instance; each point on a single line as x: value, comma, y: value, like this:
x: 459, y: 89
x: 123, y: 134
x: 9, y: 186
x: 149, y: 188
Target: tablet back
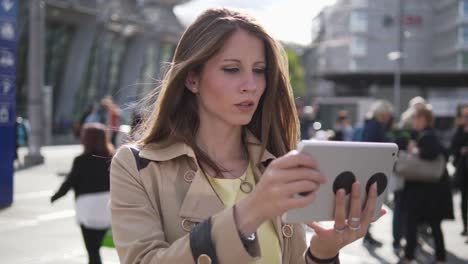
x: 343, y: 163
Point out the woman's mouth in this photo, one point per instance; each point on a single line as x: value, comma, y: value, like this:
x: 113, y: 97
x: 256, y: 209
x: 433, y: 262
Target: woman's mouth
x: 245, y: 106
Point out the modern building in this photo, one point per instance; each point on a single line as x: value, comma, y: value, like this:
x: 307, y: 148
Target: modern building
x: 358, y: 44
x: 95, y: 48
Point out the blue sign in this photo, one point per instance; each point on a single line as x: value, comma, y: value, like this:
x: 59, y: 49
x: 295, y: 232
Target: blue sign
x: 7, y: 114
x: 8, y: 44
x: 8, y: 8
x: 7, y: 86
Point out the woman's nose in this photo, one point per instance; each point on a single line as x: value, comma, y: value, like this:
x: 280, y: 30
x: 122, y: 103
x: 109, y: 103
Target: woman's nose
x: 249, y: 84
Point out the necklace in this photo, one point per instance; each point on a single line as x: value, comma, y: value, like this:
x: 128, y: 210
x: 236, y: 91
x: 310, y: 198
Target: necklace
x: 245, y: 186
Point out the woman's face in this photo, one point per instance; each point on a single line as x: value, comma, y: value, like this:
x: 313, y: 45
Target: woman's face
x: 419, y: 123
x: 231, y: 83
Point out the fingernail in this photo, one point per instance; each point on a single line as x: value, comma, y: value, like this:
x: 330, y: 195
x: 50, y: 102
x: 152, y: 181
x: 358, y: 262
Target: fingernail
x: 357, y: 186
x: 374, y: 186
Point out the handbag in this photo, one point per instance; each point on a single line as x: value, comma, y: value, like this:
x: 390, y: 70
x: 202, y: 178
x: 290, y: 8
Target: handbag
x: 108, y: 240
x: 412, y: 167
x: 92, y: 210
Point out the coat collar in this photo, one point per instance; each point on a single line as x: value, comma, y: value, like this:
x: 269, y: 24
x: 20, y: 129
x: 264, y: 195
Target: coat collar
x: 164, y: 151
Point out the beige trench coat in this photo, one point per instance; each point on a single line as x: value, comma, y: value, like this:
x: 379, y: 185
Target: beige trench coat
x: 155, y: 208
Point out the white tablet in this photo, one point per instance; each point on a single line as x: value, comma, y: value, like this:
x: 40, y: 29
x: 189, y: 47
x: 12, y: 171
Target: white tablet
x: 343, y: 163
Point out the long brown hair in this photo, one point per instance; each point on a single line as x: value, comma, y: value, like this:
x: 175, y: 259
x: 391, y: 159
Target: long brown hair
x: 174, y: 117
x: 96, y: 141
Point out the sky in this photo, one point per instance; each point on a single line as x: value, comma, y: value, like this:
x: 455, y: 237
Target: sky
x: 286, y: 20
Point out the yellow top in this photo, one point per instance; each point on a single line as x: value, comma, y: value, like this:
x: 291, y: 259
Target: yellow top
x: 229, y: 192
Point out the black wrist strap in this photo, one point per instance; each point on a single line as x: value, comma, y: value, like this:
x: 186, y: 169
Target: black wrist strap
x: 322, y: 261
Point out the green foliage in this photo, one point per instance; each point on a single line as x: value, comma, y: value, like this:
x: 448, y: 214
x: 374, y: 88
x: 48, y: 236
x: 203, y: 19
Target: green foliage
x: 296, y: 74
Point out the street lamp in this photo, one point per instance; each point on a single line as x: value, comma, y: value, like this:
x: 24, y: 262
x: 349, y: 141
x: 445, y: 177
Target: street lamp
x: 397, y: 57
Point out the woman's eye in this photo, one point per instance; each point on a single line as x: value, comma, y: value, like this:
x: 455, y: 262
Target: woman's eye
x: 259, y: 70
x: 231, y: 70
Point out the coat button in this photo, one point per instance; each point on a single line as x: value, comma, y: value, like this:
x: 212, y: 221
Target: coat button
x: 187, y: 225
x: 189, y: 175
x: 203, y: 259
x: 287, y: 231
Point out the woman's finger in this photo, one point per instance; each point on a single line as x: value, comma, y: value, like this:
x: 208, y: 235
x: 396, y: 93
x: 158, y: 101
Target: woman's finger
x: 354, y: 219
x: 294, y: 159
x: 303, y: 173
x: 382, y: 213
x: 317, y: 228
x: 299, y: 201
x: 370, y: 204
x: 297, y: 174
x: 340, y: 210
x: 300, y: 187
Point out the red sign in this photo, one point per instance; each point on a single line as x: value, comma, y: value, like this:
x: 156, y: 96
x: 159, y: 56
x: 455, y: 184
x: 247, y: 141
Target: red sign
x: 412, y: 21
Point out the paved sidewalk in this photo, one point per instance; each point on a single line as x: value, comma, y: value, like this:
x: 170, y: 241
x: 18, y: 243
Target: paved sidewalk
x: 33, y: 231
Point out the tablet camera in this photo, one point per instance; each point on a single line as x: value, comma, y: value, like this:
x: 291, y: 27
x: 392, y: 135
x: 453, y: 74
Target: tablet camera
x: 381, y: 180
x: 344, y: 181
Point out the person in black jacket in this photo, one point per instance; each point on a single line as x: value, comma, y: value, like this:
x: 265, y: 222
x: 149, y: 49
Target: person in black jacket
x: 459, y: 150
x: 425, y: 202
x: 375, y: 130
x: 89, y: 178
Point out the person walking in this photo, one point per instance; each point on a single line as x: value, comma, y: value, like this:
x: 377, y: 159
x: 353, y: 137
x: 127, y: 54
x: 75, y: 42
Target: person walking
x: 426, y: 202
x: 89, y: 179
x: 343, y: 130
x: 459, y: 150
x: 215, y: 168
x: 375, y: 130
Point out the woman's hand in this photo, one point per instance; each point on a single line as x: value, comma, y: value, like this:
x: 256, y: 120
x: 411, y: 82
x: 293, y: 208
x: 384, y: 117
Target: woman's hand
x: 326, y: 243
x: 275, y: 193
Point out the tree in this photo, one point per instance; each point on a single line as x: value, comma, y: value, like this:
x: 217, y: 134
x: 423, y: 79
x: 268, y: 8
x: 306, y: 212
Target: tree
x: 296, y: 74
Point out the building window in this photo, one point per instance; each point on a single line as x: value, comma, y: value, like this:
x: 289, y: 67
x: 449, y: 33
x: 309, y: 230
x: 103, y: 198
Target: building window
x: 359, y: 2
x: 465, y: 8
x: 465, y: 60
x: 353, y: 65
x: 358, y: 21
x: 463, y: 38
x: 358, y: 47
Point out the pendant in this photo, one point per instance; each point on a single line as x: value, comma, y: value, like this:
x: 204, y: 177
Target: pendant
x: 246, y: 187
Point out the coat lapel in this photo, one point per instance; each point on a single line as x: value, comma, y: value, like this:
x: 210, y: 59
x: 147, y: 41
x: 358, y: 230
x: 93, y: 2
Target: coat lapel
x: 201, y: 201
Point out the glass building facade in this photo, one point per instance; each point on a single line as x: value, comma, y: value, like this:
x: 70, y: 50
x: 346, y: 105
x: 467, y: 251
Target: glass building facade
x: 91, y: 51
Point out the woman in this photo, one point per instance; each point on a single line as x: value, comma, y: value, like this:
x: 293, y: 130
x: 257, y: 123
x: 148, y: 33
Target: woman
x: 459, y: 150
x: 89, y: 178
x: 204, y: 185
x: 426, y: 202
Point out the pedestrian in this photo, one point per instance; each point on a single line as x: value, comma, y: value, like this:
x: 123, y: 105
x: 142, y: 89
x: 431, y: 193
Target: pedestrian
x: 426, y: 202
x: 79, y: 124
x: 112, y: 117
x: 89, y: 179
x: 306, y: 115
x: 407, y: 115
x: 203, y: 184
x: 375, y: 129
x: 343, y: 129
x: 401, y: 135
x: 459, y: 150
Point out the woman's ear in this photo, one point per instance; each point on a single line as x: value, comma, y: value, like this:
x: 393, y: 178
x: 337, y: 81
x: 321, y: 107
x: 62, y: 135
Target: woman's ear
x: 191, y: 82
